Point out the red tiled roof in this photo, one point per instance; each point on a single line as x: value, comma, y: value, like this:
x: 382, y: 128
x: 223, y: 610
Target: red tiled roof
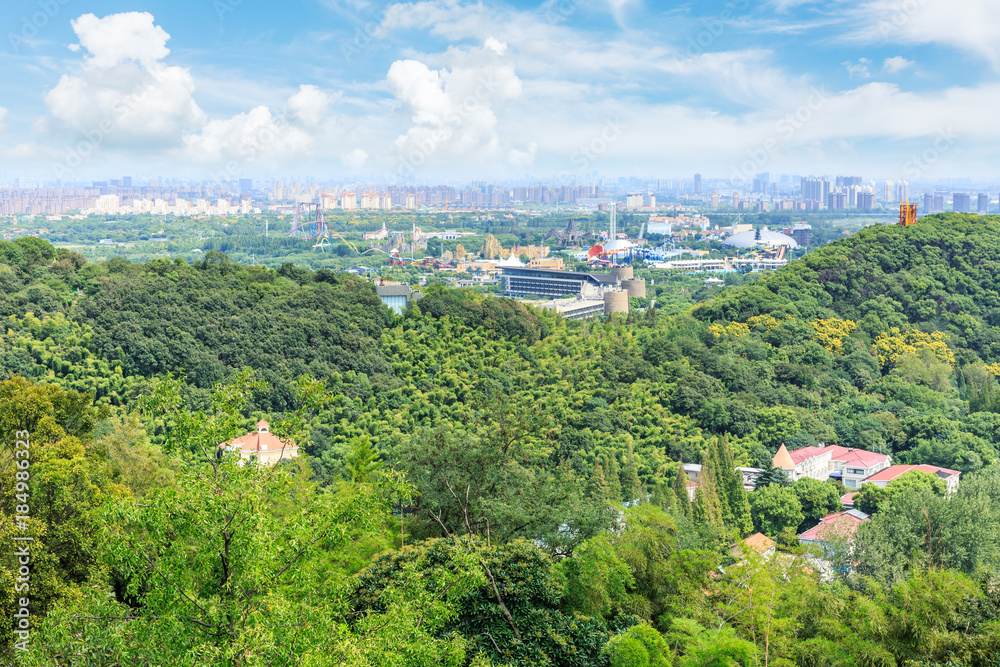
x: 842, y: 524
x: 804, y: 453
x: 892, y: 472
x: 860, y: 457
x: 847, y: 498
x: 259, y: 442
x: 759, y: 542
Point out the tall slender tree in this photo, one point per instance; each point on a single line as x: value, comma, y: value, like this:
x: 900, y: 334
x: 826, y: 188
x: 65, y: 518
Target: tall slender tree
x: 633, y: 487
x: 613, y: 474
x: 732, y: 495
x: 680, y: 489
x: 597, y: 487
x: 707, y: 504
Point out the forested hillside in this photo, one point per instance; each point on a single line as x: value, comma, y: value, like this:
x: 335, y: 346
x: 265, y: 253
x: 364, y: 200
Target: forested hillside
x: 484, y: 484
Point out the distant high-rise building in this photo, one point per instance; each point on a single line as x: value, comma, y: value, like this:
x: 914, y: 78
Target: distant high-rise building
x: 836, y: 200
x: 960, y: 202
x: 758, y: 186
x: 902, y: 191
x: 774, y: 190
x: 866, y: 201
x: 938, y: 203
x: 715, y: 200
x: 847, y: 181
x: 815, y: 189
x: 126, y: 181
x: 246, y: 185
x: 697, y: 184
x: 984, y: 204
x: 928, y: 203
x: 888, y: 191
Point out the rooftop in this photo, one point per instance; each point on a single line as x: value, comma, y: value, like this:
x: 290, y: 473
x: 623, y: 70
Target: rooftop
x: 782, y: 459
x: 892, y: 472
x: 847, y: 455
x: 841, y: 524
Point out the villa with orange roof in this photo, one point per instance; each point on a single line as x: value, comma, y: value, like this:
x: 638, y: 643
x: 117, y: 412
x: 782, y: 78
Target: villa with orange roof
x: 261, y: 446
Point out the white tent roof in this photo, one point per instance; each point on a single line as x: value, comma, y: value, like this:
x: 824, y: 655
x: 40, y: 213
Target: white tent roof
x: 511, y: 261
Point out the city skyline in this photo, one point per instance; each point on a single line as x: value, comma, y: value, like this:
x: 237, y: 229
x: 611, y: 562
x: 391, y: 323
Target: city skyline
x: 445, y: 89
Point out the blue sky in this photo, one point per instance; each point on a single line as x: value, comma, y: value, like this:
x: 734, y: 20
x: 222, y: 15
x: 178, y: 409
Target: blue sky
x: 447, y: 89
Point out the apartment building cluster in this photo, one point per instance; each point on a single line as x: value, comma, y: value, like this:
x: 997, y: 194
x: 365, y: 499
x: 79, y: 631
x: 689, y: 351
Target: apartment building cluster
x: 59, y: 200
x: 113, y: 205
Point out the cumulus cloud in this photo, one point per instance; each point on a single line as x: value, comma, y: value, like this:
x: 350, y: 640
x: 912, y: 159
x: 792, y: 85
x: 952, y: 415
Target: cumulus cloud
x: 119, y: 38
x: 123, y: 94
x: 355, y: 159
x: 495, y: 45
x: 454, y: 110
x: 262, y: 134
x: 895, y: 64
x: 309, y: 107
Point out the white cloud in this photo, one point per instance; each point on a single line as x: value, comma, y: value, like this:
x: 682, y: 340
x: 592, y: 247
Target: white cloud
x: 355, y: 159
x: 895, y: 64
x: 124, y: 95
x: 858, y: 69
x: 519, y: 158
x: 453, y: 110
x: 309, y: 107
x: 22, y: 152
x: 119, y: 38
x: 260, y: 134
x: 970, y: 25
x: 495, y: 45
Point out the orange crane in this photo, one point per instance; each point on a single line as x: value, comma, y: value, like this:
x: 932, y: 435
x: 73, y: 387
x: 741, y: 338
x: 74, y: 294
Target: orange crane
x: 907, y: 214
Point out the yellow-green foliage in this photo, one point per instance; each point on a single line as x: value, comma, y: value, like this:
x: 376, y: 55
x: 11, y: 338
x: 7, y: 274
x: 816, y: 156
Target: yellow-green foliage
x: 765, y: 322
x: 760, y: 323
x: 893, y: 345
x: 830, y: 333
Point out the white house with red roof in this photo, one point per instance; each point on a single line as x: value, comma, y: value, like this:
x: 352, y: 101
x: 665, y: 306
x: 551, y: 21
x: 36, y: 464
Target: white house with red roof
x: 261, y: 446
x: 849, y: 464
x: 883, y: 477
